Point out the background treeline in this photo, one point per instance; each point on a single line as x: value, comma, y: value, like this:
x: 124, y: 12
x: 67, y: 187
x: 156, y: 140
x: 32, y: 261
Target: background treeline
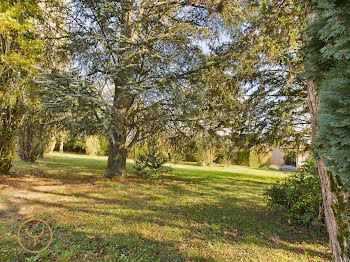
x: 200, y: 149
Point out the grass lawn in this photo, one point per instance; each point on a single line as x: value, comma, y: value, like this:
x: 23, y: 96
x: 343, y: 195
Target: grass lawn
x: 193, y: 214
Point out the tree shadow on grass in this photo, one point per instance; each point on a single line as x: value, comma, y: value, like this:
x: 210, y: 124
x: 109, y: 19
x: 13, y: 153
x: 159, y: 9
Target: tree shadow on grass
x: 71, y: 244
x: 207, y: 206
x: 234, y: 220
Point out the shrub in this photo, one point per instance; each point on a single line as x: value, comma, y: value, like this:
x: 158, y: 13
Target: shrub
x: 189, y: 157
x: 176, y: 157
x: 290, y: 159
x: 300, y: 196
x: 225, y: 151
x: 72, y: 143
x: 207, y: 156
x: 242, y: 158
x: 225, y: 161
x: 104, y: 145
x: 259, y: 158
x: 205, y: 149
x: 92, y: 145
x: 150, y: 159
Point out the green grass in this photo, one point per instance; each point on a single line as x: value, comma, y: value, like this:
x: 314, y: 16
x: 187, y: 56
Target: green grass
x: 193, y: 214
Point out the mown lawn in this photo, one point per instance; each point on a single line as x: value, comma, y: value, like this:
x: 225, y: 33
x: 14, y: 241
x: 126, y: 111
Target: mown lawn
x: 193, y: 214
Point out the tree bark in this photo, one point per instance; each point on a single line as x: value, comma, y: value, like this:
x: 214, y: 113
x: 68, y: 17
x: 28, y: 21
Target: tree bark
x: 118, y: 150
x: 329, y: 198
x: 117, y: 154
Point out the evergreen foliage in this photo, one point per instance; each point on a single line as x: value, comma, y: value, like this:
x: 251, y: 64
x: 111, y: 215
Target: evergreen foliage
x: 329, y: 57
x: 257, y: 93
x: 328, y: 53
x: 150, y: 158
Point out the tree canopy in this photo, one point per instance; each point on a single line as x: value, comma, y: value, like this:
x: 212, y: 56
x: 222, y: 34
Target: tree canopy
x: 143, y: 67
x: 20, y: 54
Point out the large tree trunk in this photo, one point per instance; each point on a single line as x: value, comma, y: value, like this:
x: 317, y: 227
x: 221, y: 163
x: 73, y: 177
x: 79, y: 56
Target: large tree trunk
x: 118, y: 150
x: 122, y: 102
x: 117, y: 154
x: 329, y: 198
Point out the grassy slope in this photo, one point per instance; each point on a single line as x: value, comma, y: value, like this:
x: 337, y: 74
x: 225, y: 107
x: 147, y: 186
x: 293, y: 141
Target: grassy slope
x: 193, y: 214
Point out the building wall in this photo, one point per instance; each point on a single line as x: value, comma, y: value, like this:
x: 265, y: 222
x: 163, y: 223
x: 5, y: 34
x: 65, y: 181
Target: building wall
x: 277, y: 157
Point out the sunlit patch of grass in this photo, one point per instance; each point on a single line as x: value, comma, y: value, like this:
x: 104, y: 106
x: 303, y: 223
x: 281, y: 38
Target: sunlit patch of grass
x: 192, y: 214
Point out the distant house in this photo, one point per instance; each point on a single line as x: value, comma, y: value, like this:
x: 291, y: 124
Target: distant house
x: 277, y: 157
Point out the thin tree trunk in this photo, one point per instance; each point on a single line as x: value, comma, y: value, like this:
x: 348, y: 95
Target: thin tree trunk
x: 329, y: 198
x: 52, y: 144
x: 61, y: 146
